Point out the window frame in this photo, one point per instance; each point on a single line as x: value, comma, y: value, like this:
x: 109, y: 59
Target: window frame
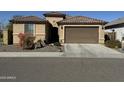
x: 29, y: 28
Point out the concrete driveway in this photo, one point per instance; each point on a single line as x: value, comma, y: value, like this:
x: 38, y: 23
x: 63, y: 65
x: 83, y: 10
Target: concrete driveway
x: 91, y: 51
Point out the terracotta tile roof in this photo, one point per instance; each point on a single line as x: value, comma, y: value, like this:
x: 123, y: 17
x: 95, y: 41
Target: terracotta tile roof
x: 28, y: 19
x: 81, y: 20
x: 54, y: 14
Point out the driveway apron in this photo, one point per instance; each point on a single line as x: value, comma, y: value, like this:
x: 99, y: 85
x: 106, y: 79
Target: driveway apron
x: 91, y: 51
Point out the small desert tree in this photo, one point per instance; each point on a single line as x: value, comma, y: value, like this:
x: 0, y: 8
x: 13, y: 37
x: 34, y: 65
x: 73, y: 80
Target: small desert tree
x: 21, y: 39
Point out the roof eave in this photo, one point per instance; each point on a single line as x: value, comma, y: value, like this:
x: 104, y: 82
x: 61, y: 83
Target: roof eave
x: 61, y: 23
x: 50, y: 15
x: 31, y: 22
x: 114, y: 26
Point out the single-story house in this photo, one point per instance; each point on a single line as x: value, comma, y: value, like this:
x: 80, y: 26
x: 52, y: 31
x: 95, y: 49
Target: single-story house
x: 57, y: 27
x: 117, y: 27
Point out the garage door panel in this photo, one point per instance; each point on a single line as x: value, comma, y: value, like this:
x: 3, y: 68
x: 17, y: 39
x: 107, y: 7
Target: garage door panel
x: 81, y: 34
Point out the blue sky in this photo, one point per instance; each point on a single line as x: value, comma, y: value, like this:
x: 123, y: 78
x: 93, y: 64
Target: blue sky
x: 104, y: 15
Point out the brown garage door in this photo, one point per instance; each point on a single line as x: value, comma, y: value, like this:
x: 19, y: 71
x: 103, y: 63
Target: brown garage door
x: 81, y: 34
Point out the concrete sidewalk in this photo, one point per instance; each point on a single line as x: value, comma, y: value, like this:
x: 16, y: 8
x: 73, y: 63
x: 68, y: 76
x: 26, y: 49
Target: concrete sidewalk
x: 72, y: 50
x: 31, y: 54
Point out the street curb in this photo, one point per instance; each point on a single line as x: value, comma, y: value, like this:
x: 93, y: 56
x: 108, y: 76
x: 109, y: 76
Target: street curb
x: 31, y: 54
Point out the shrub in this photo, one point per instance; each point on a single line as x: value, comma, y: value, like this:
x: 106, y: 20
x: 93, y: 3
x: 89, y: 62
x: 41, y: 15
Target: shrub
x: 21, y: 39
x: 29, y: 43
x: 39, y: 44
x: 43, y: 44
x: 113, y: 43
x: 46, y: 42
x: 57, y: 44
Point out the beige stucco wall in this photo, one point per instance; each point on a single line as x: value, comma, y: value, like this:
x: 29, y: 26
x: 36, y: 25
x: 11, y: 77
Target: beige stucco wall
x: 39, y: 32
x: 17, y: 28
x: 54, y: 20
x: 62, y: 29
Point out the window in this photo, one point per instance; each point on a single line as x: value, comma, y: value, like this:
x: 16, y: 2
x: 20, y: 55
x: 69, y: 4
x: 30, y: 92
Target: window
x: 29, y: 28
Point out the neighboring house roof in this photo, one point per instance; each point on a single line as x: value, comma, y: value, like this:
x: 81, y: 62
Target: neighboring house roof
x: 54, y: 14
x: 28, y: 19
x: 81, y: 20
x: 67, y: 17
x: 115, y: 23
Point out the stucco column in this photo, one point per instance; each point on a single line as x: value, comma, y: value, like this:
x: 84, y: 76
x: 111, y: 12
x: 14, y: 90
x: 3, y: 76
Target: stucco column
x: 101, y: 35
x: 61, y: 34
x: 5, y: 36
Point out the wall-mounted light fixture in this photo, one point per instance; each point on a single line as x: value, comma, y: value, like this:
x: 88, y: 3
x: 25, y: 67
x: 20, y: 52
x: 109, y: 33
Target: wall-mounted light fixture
x: 61, y: 27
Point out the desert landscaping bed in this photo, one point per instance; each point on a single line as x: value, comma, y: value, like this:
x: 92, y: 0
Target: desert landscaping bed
x: 12, y: 48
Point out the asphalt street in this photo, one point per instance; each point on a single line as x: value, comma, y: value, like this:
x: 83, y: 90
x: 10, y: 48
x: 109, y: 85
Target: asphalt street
x: 61, y: 69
